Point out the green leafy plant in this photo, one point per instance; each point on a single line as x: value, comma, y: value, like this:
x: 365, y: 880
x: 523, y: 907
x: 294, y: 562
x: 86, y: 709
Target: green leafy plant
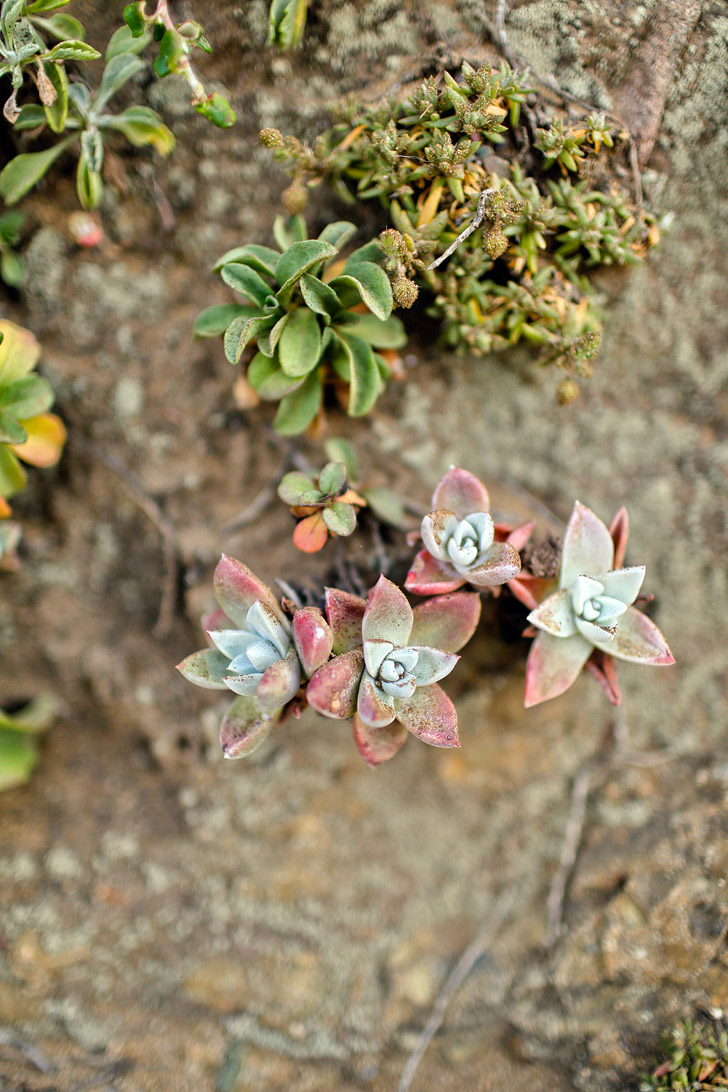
x: 697, y: 1060
x: 314, y: 319
x: 322, y: 504
x: 176, y: 42
x: 490, y: 228
x: 28, y: 433
x: 23, y: 51
x: 19, y: 734
x: 85, y: 117
x: 286, y: 23
x: 12, y: 266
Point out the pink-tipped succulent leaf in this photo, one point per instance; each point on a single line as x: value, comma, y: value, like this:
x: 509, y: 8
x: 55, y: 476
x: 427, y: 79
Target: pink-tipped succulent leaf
x: 460, y: 541
x: 591, y: 611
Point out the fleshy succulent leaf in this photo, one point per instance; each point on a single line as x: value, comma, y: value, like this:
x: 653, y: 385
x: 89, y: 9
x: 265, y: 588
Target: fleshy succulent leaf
x: 313, y: 639
x: 502, y: 563
x: 588, y: 548
x: 388, y: 615
x: 206, y: 669
x: 619, y: 530
x: 333, y: 689
x: 638, y: 641
x: 279, y: 682
x: 345, y: 614
x: 555, y: 615
x: 446, y: 622
x: 461, y: 492
x: 378, y: 745
x: 374, y: 708
x: 237, y: 588
x: 553, y: 665
x: 245, y: 726
x: 430, y: 576
x: 430, y: 715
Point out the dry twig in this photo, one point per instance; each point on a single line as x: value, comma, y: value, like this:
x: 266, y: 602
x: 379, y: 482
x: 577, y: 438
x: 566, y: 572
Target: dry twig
x: 472, y: 226
x: 470, y: 956
x: 135, y: 490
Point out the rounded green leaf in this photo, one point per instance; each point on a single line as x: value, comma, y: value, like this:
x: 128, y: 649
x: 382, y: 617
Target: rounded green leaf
x: 338, y: 233
x: 389, y: 334
x: 340, y: 518
x: 217, y: 110
x: 289, y: 230
x: 241, y: 332
x: 18, y: 757
x: 246, y: 281
x: 266, y: 377
x: 299, y: 347
x: 297, y: 410
x: 11, y: 430
x: 332, y: 478
x: 319, y: 297
x: 214, y: 321
x: 372, y: 284
x: 12, y: 269
x: 31, y: 116
x: 297, y: 260
x: 26, y: 397
x: 116, y: 73
x: 142, y: 126
x: 385, y: 505
x: 293, y: 485
x: 123, y: 40
x: 12, y: 475
x: 341, y: 451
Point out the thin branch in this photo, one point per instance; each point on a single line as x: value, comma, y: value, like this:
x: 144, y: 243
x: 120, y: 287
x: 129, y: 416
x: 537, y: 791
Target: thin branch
x: 470, y: 956
x: 472, y: 226
x: 135, y: 490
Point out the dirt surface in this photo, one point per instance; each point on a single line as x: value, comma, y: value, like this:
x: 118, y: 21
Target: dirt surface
x: 174, y: 922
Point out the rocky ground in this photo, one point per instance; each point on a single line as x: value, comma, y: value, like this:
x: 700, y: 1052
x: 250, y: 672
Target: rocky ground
x: 174, y: 922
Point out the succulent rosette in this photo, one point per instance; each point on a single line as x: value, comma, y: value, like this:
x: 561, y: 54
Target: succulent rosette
x: 257, y: 652
x: 388, y: 661
x: 460, y: 541
x: 591, y: 621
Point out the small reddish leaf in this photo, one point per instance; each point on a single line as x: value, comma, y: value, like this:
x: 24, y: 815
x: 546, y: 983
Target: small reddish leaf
x: 344, y: 613
x: 313, y: 638
x: 333, y: 689
x: 378, y: 745
x: 428, y: 576
x: 447, y: 621
x: 462, y: 492
x: 311, y: 534
x: 430, y: 715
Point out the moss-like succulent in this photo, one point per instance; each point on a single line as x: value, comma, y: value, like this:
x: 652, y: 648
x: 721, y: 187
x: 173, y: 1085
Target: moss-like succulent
x: 315, y: 319
x: 697, y: 1060
x: 453, y: 164
x: 28, y: 433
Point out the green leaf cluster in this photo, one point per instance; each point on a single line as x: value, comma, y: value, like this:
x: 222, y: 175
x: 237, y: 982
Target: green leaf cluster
x: 84, y: 116
x: 325, y: 492
x: 427, y: 160
x: 12, y: 266
x: 299, y: 317
x: 19, y: 732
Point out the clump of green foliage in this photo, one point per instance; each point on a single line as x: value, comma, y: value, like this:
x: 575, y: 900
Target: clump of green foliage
x: 77, y: 112
x: 543, y: 213
x: 315, y: 321
x: 697, y: 1060
x: 19, y: 735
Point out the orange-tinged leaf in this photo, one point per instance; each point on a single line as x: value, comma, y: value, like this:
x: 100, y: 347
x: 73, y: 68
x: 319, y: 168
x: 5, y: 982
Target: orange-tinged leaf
x: 4, y: 508
x: 431, y: 204
x: 311, y: 534
x: 46, y: 437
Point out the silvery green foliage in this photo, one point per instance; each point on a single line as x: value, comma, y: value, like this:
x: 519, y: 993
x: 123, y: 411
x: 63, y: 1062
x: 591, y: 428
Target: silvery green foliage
x: 83, y: 113
x: 298, y: 316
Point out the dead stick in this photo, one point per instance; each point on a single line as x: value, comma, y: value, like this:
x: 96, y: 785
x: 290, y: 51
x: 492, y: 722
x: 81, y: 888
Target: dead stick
x: 472, y: 226
x: 170, y: 553
x: 470, y: 956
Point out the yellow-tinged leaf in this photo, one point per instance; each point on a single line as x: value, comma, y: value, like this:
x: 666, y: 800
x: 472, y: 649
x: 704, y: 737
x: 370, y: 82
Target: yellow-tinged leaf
x: 350, y: 138
x: 429, y: 206
x: 46, y: 437
x: 4, y: 508
x: 19, y: 352
x: 495, y: 111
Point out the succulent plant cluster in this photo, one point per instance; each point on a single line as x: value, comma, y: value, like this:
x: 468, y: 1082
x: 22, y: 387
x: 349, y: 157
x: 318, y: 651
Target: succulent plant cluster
x: 312, y: 320
x: 457, y: 150
x: 77, y: 112
x: 28, y: 433
x: 378, y: 661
